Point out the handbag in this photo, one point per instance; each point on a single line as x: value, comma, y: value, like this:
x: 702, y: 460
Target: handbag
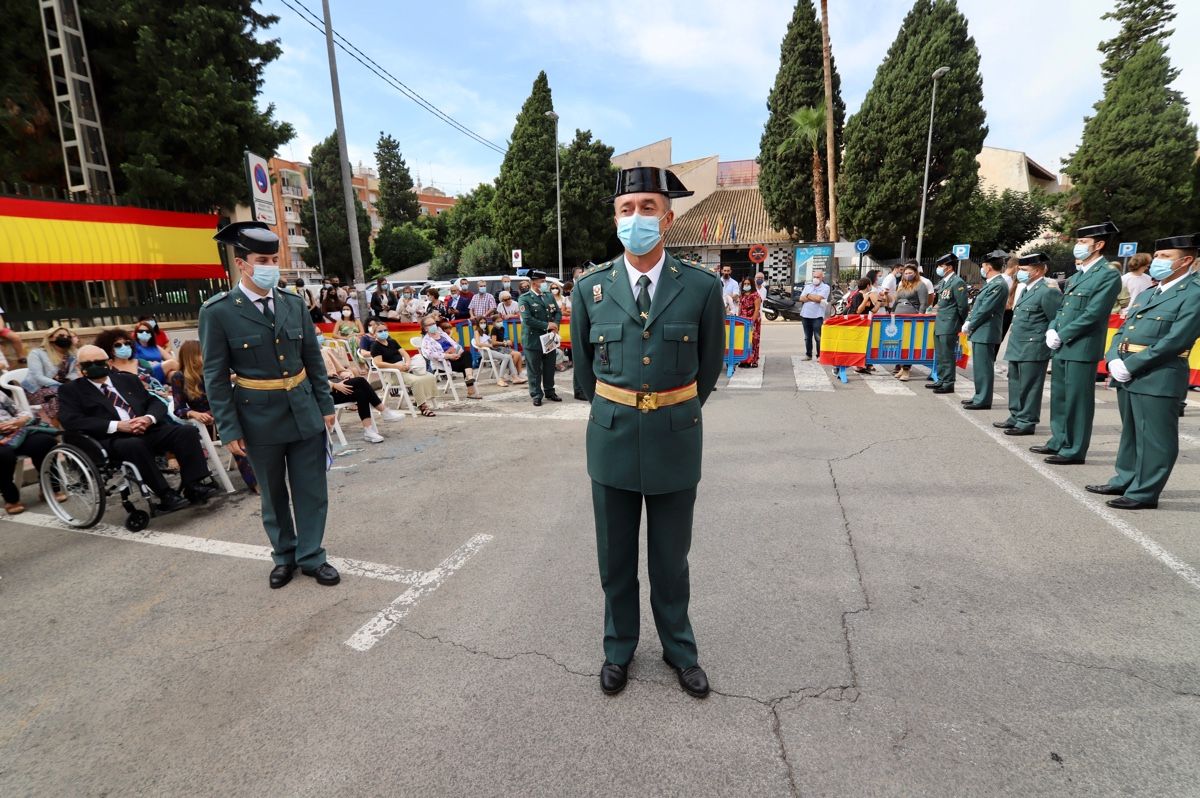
x: 17, y: 437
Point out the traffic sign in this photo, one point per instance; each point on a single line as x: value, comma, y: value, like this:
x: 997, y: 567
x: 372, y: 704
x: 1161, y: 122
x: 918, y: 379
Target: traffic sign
x: 758, y: 253
x: 262, y: 201
x: 862, y: 246
x: 516, y: 259
x: 962, y: 251
x: 1127, y: 249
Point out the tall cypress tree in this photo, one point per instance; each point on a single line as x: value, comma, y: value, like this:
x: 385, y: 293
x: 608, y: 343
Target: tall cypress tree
x: 524, y: 205
x: 397, y: 200
x: 785, y: 180
x: 884, y: 162
x: 588, y: 176
x: 1142, y: 21
x: 1135, y: 162
x: 326, y: 178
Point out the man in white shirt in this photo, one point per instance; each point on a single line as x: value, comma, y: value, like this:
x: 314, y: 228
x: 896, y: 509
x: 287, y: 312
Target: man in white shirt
x: 892, y: 279
x: 729, y: 286
x: 813, y: 297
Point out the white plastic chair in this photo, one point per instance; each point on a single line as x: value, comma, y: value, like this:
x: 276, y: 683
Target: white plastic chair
x: 391, y: 384
x: 219, y: 469
x: 11, y: 382
x: 440, y: 369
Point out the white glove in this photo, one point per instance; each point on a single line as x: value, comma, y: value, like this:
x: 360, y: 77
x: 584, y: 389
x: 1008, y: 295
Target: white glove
x: 966, y: 328
x: 1052, y: 339
x: 1118, y: 370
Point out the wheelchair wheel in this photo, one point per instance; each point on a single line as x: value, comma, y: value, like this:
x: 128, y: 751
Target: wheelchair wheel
x: 73, y: 486
x: 137, y: 520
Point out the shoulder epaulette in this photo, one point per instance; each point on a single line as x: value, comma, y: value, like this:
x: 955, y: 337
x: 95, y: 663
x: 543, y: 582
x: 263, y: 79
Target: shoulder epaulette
x: 215, y: 298
x: 699, y: 267
x: 596, y: 268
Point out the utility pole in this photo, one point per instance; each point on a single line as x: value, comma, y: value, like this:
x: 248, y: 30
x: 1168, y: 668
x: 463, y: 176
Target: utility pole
x: 360, y: 281
x: 937, y: 73
x: 312, y: 191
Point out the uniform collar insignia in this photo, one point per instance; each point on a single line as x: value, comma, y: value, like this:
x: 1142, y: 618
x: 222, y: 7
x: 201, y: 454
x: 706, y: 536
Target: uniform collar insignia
x: 237, y: 301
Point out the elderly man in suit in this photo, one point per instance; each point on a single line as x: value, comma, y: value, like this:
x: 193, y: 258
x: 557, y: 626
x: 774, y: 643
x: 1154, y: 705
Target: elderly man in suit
x: 113, y: 407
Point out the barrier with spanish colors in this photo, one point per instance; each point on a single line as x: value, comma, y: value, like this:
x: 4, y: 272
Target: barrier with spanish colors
x: 857, y: 341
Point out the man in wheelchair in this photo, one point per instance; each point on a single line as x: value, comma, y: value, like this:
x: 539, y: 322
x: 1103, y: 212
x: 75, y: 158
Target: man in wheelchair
x: 113, y: 407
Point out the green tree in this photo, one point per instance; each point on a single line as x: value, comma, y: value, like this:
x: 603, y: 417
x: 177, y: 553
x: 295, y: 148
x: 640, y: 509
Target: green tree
x: 884, y: 162
x: 525, y: 188
x: 29, y: 145
x: 807, y: 126
x: 470, y: 218
x: 402, y: 246
x: 1135, y: 162
x: 325, y: 177
x: 442, y: 266
x: 588, y: 177
x: 1004, y: 220
x: 1142, y: 22
x: 785, y: 177
x: 434, y: 227
x: 484, y: 255
x: 397, y: 200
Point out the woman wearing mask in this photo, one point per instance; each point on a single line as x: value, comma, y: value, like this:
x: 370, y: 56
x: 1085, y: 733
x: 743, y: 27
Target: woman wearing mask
x: 160, y: 361
x: 51, y: 365
x: 408, y: 307
x: 347, y: 384
x: 16, y: 440
x: 564, y: 304
x: 508, y: 308
x: 388, y: 354
x: 750, y: 307
x: 440, y: 350
x: 160, y: 335
x: 349, y: 327
x: 191, y: 402
x: 119, y: 346
x: 484, y: 339
x: 912, y: 298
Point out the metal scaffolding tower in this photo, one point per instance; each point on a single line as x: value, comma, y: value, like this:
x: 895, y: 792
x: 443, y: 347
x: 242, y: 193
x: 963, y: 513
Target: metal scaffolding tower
x: 84, y: 154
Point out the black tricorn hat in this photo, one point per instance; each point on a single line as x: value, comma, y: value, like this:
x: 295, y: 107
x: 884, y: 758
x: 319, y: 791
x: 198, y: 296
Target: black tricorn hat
x: 949, y: 257
x: 254, y: 237
x: 1102, y: 230
x: 1178, y: 242
x: 650, y: 180
x: 1032, y: 259
x: 994, y: 255
x: 535, y: 274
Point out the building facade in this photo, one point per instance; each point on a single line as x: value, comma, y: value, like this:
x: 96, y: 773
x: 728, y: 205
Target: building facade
x: 289, y: 188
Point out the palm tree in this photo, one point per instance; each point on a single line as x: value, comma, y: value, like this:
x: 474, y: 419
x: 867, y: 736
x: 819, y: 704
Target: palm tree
x: 830, y: 144
x: 807, y: 125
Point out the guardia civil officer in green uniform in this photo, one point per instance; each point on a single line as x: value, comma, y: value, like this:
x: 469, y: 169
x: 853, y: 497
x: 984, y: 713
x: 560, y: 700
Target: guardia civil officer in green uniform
x: 649, y: 339
x: 1148, y: 362
x: 1027, y: 354
x: 951, y: 313
x: 278, y: 408
x: 539, y: 315
x: 1077, y: 336
x: 983, y: 328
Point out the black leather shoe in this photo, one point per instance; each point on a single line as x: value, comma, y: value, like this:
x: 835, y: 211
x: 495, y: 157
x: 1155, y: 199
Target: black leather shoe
x: 326, y: 574
x: 933, y: 385
x: 973, y: 406
x: 281, y: 575
x: 1004, y: 425
x: 693, y: 680
x: 537, y: 402
x: 966, y: 402
x: 1015, y: 431
x: 170, y: 501
x: 1058, y: 459
x: 553, y: 397
x: 581, y: 396
x: 944, y: 389
x: 1042, y: 450
x: 1122, y: 503
x: 613, y: 677
x: 1104, y: 490
x: 199, y: 494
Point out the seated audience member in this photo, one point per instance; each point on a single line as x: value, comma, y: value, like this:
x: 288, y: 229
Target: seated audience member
x: 118, y: 344
x: 314, y: 309
x: 51, y: 365
x: 160, y: 335
x: 19, y: 437
x: 349, y: 327
x: 442, y: 351
x: 388, y: 354
x: 191, y: 402
x: 115, y: 409
x: 160, y: 360
x: 482, y: 339
x: 14, y: 340
x: 347, y: 385
x: 508, y: 308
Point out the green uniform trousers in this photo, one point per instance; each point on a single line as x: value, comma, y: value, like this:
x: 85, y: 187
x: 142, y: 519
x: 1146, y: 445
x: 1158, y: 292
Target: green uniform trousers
x: 300, y: 464
x: 944, y: 347
x: 983, y: 369
x: 668, y: 540
x: 1149, y: 444
x: 1026, y: 378
x: 1072, y: 407
x: 540, y: 369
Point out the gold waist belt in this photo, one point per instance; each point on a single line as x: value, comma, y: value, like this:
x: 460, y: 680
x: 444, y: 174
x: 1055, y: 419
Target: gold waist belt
x: 281, y: 384
x: 646, y: 401
x: 1126, y: 349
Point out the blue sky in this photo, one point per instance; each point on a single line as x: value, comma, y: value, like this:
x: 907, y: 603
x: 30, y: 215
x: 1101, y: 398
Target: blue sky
x: 697, y: 71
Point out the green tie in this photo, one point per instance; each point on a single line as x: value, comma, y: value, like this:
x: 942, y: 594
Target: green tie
x: 643, y: 297
x: 266, y: 308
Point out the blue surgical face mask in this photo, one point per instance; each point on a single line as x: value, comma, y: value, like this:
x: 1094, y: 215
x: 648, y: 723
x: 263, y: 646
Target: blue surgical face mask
x: 1081, y: 252
x: 1161, y: 268
x: 265, y: 277
x: 144, y: 337
x: 1022, y: 276
x: 639, y: 233
x: 124, y: 351
x: 382, y: 335
x: 941, y: 271
x: 983, y: 272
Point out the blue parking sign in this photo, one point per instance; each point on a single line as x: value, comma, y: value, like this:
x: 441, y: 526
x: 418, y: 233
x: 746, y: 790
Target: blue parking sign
x: 862, y: 246
x: 1127, y: 249
x: 962, y: 251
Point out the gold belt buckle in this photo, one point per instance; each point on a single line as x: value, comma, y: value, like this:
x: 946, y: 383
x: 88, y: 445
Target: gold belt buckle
x: 647, y: 402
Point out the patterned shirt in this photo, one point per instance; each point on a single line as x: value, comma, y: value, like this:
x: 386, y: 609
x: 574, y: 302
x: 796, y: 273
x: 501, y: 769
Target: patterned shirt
x: 482, y: 304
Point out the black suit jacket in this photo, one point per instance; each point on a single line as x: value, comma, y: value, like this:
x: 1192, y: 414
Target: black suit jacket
x: 81, y: 407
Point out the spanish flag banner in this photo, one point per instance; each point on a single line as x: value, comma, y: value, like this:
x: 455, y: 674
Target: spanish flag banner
x: 855, y: 341
x: 1114, y: 324
x: 43, y: 241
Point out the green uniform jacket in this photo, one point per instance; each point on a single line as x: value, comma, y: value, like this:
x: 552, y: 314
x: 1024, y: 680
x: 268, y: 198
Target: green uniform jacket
x: 1032, y: 314
x: 1168, y: 323
x: 537, y: 311
x: 681, y: 341
x: 235, y: 336
x: 987, y: 313
x: 951, y: 305
x: 1082, y: 321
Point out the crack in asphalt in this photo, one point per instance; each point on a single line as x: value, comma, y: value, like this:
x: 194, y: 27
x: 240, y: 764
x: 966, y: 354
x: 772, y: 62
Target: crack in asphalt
x: 1123, y: 672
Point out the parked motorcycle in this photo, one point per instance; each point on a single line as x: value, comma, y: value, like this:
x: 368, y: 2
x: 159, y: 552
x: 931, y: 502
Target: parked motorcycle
x: 778, y: 304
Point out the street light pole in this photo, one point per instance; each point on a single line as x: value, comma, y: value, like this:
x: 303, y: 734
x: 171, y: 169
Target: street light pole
x: 937, y: 73
x: 557, y: 193
x: 312, y: 190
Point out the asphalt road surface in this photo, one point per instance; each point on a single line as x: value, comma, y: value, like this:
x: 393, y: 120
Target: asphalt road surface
x: 889, y: 599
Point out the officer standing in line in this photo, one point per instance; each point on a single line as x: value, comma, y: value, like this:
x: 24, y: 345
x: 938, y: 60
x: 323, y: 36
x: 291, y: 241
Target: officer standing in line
x: 539, y: 315
x: 1148, y: 361
x: 649, y: 334
x: 278, y: 408
x: 983, y: 329
x: 1077, y: 336
x: 1027, y: 353
x: 952, y: 304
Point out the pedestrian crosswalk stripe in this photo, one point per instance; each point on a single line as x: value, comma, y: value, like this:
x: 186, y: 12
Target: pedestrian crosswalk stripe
x: 748, y: 378
x: 810, y: 376
x: 888, y: 386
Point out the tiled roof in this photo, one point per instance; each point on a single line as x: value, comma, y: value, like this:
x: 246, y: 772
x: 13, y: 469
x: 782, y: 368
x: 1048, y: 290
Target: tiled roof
x: 742, y: 205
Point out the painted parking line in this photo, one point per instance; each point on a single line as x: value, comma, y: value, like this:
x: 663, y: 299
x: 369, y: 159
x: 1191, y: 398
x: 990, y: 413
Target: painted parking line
x: 810, y: 375
x: 748, y: 379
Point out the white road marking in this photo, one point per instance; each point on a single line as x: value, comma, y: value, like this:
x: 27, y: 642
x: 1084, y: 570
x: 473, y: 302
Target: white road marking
x: 1178, y: 566
x: 748, y: 379
x: 245, y: 551
x: 810, y: 375
x: 576, y: 411
x: 888, y: 385
x: 374, y: 630
x: 505, y: 396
